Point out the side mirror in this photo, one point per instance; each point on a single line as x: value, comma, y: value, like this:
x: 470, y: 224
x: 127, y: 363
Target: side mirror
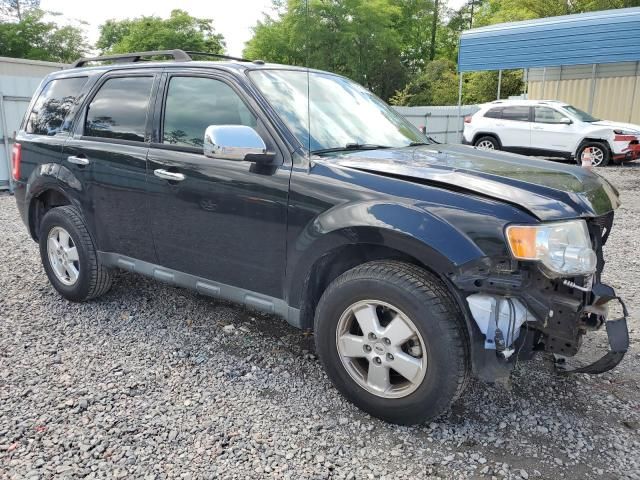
x: 566, y: 121
x: 236, y: 142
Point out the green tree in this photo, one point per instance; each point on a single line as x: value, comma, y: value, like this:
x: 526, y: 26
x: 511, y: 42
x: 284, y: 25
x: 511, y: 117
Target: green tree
x: 17, y: 9
x: 437, y: 84
x: 498, y: 11
x: 37, y: 39
x: 355, y: 38
x: 414, y: 27
x: 481, y: 87
x: 180, y: 30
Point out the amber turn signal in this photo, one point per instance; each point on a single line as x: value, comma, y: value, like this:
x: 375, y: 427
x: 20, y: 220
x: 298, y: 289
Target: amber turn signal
x: 522, y: 241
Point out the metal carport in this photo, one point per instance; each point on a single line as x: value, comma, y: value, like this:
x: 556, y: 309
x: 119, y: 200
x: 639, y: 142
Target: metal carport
x: 603, y: 37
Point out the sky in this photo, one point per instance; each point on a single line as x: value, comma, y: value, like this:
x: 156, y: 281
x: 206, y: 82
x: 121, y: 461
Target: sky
x: 231, y: 18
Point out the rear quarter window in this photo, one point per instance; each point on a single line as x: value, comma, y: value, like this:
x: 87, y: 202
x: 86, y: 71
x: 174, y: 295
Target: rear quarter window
x: 53, y: 105
x: 495, y: 112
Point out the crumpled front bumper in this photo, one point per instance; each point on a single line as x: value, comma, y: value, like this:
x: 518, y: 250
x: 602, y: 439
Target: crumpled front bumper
x: 549, y: 315
x: 618, y: 335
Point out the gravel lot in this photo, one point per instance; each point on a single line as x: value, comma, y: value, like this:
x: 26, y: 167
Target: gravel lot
x: 152, y: 381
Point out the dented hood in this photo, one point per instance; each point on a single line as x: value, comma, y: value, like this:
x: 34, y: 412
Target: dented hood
x: 548, y: 190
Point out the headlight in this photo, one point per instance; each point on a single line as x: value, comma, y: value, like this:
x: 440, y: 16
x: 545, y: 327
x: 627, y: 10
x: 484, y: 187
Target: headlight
x: 625, y: 132
x: 564, y: 248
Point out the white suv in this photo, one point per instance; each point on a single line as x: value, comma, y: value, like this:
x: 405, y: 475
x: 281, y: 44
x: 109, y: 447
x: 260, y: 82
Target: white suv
x: 551, y: 129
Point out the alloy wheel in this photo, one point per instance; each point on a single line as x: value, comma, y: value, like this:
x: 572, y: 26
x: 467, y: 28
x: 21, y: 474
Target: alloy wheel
x: 485, y: 145
x: 63, y: 256
x: 597, y: 155
x: 381, y: 349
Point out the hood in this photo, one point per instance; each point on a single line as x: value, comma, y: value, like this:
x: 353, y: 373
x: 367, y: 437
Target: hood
x: 548, y: 190
x: 617, y: 125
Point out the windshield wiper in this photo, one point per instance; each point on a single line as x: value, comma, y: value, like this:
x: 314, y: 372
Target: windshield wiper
x: 350, y: 147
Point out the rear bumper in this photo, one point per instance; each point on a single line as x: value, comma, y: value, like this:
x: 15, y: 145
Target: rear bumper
x: 20, y: 194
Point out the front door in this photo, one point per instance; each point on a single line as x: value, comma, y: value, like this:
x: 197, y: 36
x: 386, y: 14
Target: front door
x: 222, y: 220
x: 548, y: 133
x: 107, y: 154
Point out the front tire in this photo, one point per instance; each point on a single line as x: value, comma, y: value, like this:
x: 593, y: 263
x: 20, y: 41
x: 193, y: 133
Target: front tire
x: 393, y: 341
x: 600, y: 154
x: 69, y: 256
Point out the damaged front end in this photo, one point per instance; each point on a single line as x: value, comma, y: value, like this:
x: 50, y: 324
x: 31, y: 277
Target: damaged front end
x: 522, y: 307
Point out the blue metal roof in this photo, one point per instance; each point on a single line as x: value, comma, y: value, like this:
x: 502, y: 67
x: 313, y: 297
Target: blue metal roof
x: 596, y: 37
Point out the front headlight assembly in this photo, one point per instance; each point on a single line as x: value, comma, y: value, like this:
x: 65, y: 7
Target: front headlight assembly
x: 619, y: 131
x: 563, y: 248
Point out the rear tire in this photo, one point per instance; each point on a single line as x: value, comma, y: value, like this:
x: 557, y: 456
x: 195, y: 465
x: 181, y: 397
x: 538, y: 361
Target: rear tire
x: 487, y: 142
x: 388, y: 291
x: 599, y: 151
x: 69, y: 256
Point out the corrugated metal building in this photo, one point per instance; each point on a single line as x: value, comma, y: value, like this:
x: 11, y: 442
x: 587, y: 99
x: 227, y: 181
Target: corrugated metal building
x: 590, y: 60
x: 612, y: 93
x: 18, y: 80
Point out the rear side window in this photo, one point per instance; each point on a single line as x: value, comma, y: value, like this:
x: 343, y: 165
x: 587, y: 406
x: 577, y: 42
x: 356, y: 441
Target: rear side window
x: 494, y: 113
x: 53, y: 105
x: 119, y: 109
x: 194, y: 103
x: 516, y: 113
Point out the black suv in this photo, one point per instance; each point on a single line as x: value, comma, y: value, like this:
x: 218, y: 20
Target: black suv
x: 299, y: 193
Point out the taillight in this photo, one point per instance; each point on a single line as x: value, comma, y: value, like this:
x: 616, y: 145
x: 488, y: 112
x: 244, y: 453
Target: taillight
x: 16, y: 158
x: 467, y: 119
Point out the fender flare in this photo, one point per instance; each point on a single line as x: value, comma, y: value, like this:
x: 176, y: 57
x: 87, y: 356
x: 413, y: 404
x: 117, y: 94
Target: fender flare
x: 409, y: 230
x: 588, y: 139
x: 47, y: 178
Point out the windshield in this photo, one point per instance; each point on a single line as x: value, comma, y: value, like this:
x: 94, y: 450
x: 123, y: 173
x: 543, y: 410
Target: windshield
x: 579, y: 114
x: 342, y: 114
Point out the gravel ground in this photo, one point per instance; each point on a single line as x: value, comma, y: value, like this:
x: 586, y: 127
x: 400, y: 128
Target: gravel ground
x: 152, y: 381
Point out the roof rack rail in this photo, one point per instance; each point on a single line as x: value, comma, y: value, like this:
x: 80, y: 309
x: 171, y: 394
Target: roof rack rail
x: 177, y: 54
x: 215, y: 55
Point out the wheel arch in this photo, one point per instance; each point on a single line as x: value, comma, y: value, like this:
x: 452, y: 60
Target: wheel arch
x: 590, y: 139
x: 47, y: 198
x: 344, y: 249
x: 49, y: 186
x: 486, y: 134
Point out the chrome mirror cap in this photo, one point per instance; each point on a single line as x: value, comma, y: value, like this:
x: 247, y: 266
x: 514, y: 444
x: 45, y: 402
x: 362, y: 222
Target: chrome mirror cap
x: 232, y: 142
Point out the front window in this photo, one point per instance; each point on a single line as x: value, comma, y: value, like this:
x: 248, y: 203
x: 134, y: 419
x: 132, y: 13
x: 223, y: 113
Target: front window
x: 327, y: 112
x: 579, y: 114
x: 194, y: 103
x: 547, y: 115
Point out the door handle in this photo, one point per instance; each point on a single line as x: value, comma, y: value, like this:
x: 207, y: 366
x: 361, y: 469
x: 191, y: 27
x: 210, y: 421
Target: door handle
x: 167, y: 175
x: 538, y: 128
x: 78, y: 160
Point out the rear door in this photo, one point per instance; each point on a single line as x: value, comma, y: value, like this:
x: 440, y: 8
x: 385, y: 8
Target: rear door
x: 225, y: 220
x: 107, y: 155
x: 514, y: 128
x: 549, y: 134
